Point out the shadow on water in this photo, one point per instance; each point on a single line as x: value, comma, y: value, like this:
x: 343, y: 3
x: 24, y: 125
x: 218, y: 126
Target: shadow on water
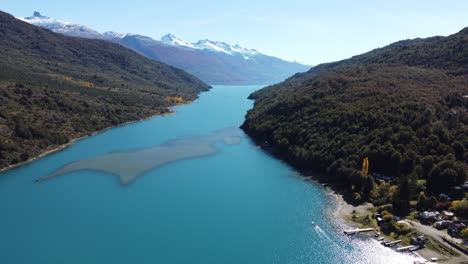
x: 130, y: 164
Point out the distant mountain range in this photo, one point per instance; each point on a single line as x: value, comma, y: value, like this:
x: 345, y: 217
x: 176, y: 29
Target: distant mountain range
x: 212, y: 61
x: 54, y: 88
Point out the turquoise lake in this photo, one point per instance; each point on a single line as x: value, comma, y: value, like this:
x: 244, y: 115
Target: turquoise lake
x: 235, y: 204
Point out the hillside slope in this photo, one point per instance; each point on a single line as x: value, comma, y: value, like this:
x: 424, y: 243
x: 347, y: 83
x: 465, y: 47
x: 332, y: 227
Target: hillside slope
x: 54, y: 88
x: 403, y: 106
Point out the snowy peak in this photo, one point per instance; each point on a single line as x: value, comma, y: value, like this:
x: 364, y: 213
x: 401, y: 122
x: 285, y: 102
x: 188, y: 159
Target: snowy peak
x: 214, y: 62
x: 240, y: 49
x: 212, y: 46
x: 208, y: 45
x: 113, y: 35
x: 37, y: 14
x: 60, y: 26
x: 76, y: 30
x: 224, y: 47
x: 173, y: 41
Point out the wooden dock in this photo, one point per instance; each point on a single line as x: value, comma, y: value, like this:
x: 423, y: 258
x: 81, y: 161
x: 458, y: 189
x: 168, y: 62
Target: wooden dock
x: 357, y: 231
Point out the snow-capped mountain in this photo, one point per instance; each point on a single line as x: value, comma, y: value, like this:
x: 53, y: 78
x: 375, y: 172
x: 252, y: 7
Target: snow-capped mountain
x: 60, y: 26
x: 212, y: 61
x: 113, y: 35
x: 224, y: 47
x: 170, y: 39
x: 209, y: 45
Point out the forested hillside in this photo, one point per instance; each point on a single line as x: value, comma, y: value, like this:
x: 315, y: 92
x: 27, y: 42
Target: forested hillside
x: 54, y: 88
x: 403, y: 106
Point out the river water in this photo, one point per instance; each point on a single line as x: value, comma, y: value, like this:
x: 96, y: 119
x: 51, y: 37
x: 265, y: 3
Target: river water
x: 183, y: 188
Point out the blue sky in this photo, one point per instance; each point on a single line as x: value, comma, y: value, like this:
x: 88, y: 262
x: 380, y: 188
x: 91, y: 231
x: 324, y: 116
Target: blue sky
x: 304, y: 30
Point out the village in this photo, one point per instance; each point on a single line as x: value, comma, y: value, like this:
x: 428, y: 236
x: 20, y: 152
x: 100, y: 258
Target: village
x: 434, y: 236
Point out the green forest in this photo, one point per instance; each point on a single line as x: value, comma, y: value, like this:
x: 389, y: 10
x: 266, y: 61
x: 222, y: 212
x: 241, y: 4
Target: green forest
x: 404, y: 107
x: 54, y: 88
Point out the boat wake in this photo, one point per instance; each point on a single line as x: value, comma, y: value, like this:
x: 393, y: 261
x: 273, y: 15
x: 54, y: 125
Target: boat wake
x: 322, y: 233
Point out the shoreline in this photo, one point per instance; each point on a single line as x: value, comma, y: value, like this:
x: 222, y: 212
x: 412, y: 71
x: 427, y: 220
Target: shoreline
x: 343, y: 214
x: 344, y: 211
x: 90, y: 134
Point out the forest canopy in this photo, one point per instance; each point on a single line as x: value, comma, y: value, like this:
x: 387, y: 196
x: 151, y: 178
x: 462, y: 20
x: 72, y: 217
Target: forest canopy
x: 54, y: 88
x: 404, y: 107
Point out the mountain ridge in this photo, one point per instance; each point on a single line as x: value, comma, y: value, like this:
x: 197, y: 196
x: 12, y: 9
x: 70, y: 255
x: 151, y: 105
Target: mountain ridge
x: 214, y: 62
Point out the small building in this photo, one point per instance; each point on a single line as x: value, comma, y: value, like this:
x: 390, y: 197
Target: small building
x: 446, y: 215
x: 442, y: 224
x: 429, y: 217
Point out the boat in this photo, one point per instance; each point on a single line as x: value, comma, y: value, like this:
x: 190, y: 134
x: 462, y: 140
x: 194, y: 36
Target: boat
x: 404, y: 249
x: 313, y: 223
x: 391, y: 243
x: 414, y: 248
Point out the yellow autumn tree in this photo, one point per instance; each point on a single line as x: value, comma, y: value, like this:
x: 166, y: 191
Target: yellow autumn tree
x: 174, y: 99
x: 178, y: 99
x: 365, y: 167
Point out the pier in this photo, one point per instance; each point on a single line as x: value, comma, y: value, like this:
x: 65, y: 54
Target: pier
x: 357, y: 231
